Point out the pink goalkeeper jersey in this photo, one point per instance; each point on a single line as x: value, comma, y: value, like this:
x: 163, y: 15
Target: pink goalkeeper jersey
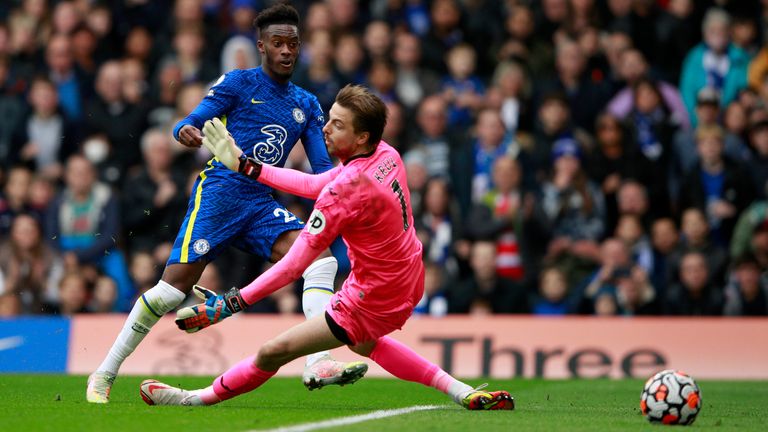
x: 367, y: 202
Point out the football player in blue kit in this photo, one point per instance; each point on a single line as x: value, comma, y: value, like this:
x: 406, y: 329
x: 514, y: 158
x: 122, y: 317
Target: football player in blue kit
x: 266, y: 114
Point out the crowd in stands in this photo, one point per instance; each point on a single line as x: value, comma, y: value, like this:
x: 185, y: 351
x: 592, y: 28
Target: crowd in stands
x: 599, y: 157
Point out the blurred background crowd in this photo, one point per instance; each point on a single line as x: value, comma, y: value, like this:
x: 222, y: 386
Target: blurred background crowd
x: 604, y: 157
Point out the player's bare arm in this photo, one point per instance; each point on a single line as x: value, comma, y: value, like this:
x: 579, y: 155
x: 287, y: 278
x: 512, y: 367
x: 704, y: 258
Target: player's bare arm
x: 190, y: 136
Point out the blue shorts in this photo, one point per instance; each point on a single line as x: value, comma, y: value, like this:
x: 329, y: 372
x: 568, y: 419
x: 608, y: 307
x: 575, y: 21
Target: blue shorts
x: 223, y: 213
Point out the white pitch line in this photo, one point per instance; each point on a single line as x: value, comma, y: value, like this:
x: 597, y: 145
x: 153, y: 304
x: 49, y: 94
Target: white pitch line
x: 343, y: 421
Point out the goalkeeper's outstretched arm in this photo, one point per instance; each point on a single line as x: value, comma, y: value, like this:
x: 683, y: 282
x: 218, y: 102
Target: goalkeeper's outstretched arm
x: 218, y: 140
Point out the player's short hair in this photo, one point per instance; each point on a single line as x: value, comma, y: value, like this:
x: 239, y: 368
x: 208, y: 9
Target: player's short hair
x: 277, y: 14
x: 369, y: 111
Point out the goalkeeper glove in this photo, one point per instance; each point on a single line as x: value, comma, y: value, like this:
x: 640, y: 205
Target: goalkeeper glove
x: 220, y: 142
x: 215, y: 309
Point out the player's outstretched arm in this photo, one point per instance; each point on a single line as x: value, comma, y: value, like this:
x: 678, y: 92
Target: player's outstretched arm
x: 216, y: 308
x: 222, y: 145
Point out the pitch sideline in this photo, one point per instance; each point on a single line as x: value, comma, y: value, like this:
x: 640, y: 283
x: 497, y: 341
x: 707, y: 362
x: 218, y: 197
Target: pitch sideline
x: 343, y: 421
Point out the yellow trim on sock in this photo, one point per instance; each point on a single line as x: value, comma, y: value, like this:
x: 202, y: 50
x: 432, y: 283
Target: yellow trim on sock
x: 322, y: 290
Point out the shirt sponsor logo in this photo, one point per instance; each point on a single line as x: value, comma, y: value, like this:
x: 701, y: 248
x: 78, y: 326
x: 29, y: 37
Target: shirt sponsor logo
x: 270, y: 151
x: 316, y: 223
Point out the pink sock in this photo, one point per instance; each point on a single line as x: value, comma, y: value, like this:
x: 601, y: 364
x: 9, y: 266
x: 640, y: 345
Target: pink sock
x: 240, y: 378
x: 406, y: 364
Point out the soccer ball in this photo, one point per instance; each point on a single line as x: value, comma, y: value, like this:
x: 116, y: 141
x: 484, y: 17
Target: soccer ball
x: 670, y: 397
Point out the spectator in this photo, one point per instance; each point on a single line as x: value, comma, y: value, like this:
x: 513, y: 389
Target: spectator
x: 632, y: 199
x: 508, y: 95
x: 434, y: 302
x: 239, y: 52
x: 554, y: 123
x: 676, y: 31
x: 445, y: 32
x: 14, y: 199
x: 70, y: 84
x: 121, y: 122
x: 570, y: 206
x: 485, y: 287
x: 45, y: 138
x: 317, y: 75
x: 319, y: 16
x: 651, y: 126
x: 461, y: 88
x: 695, y: 294
x: 152, y: 199
x: 139, y: 46
x: 31, y: 269
x: 716, y: 185
x: 10, y: 306
x: 586, y: 97
x: 243, y: 14
x: 502, y: 215
x: 613, y: 259
x: 735, y: 123
x: 491, y: 142
x: 696, y: 238
x: 394, y: 130
x: 349, y: 56
x: 84, y: 51
x: 715, y: 63
x: 135, y: 86
x: 73, y: 295
x: 665, y: 240
x: 553, y: 292
x: 632, y: 68
x: 747, y: 294
x: 377, y: 40
x: 434, y: 139
x: 41, y: 193
x: 381, y: 80
x: 84, y: 222
x: 416, y: 170
x: 439, y: 220
x: 635, y: 295
x: 615, y: 162
x: 708, y: 113
x: 606, y: 303
x: 144, y: 270
x: 414, y: 82
x: 758, y: 164
x: 631, y: 232
x: 744, y: 34
x: 104, y: 295
x: 751, y: 222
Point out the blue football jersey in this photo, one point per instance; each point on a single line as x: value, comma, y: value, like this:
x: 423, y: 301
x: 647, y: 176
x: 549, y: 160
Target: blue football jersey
x: 227, y: 208
x: 266, y: 120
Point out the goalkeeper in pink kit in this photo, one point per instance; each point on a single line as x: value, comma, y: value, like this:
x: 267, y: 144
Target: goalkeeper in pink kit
x: 365, y: 200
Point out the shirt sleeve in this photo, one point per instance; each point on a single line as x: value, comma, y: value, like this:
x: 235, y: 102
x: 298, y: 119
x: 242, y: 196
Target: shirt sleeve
x: 313, y: 140
x: 220, y: 100
x: 297, y: 182
x: 287, y: 270
x: 324, y: 225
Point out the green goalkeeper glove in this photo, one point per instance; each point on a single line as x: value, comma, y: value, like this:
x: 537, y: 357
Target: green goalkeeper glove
x: 219, y: 141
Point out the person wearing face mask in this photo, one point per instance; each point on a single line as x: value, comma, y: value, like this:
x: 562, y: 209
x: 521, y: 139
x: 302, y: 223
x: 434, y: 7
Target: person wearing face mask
x: 715, y: 63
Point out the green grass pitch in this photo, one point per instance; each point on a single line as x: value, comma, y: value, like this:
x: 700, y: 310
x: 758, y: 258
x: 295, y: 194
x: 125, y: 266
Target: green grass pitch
x: 57, y: 403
